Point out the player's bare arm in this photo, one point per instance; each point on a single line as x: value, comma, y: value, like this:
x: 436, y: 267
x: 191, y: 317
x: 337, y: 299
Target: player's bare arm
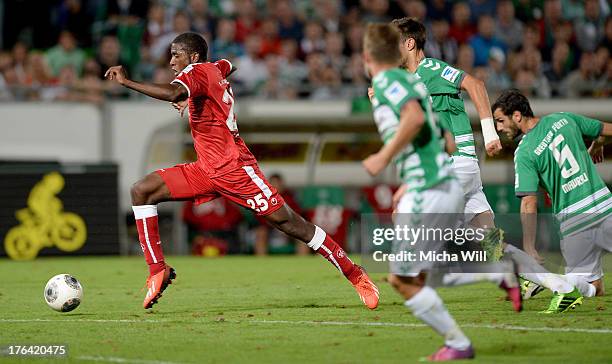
x: 478, y: 93
x: 411, y: 122
x: 596, y: 149
x: 529, y: 221
x: 167, y: 92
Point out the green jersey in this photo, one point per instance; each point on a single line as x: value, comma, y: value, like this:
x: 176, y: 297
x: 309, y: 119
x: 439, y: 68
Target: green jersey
x: 423, y: 163
x: 553, y: 155
x: 444, y: 85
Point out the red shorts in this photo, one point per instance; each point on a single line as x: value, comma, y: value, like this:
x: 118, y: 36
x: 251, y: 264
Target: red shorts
x: 246, y: 186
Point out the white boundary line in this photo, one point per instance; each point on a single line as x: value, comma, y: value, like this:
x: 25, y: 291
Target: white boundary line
x: 333, y: 323
x: 395, y: 324
x: 114, y: 359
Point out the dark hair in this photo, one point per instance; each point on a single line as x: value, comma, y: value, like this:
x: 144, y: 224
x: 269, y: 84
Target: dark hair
x: 193, y: 43
x: 512, y: 100
x: 381, y: 41
x: 411, y: 28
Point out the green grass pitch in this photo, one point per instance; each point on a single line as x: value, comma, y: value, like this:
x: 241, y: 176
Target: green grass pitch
x: 275, y: 310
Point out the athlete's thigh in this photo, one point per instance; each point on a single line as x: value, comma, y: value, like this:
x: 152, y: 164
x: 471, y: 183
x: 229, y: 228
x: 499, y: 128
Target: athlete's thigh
x: 187, y: 182
x: 248, y: 187
x: 581, y: 253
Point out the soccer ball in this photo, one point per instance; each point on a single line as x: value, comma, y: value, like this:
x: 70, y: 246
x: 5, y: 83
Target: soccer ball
x: 63, y: 293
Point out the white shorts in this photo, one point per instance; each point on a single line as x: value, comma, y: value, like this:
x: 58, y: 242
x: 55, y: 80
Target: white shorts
x: 583, y: 251
x: 441, y: 207
x: 467, y: 172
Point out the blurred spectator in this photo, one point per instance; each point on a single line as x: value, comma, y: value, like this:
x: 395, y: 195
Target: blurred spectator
x: 72, y: 16
x: 161, y: 47
x: 414, y: 9
x: 590, y: 30
x: 465, y: 58
x: 328, y: 14
x: 324, y: 81
x: 334, y: 47
x: 581, y: 82
x: 313, y: 38
x: 216, y: 219
x: 440, y: 45
x: 251, y: 70
x: 127, y: 12
x: 275, y: 86
x: 508, y: 29
x: 266, y: 238
x: 246, y: 21
x: 497, y: 78
x: 270, y: 41
x: 224, y: 45
x: 65, y: 53
x: 198, y: 16
x: 526, y: 82
x: 375, y: 11
x: 38, y: 73
x: 20, y: 58
x: 607, y: 41
x: 461, y: 28
x: 289, y: 26
x: 557, y: 69
x: 156, y: 24
x: 485, y: 40
x: 439, y: 9
x: 293, y: 70
x: 355, y: 76
x: 533, y: 64
x: 552, y: 16
x: 354, y: 38
x: 108, y: 54
x: 479, y: 8
x: 572, y: 9
x: 602, y: 57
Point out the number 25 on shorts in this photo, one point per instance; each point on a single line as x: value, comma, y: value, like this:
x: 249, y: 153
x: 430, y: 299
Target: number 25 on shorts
x: 259, y: 204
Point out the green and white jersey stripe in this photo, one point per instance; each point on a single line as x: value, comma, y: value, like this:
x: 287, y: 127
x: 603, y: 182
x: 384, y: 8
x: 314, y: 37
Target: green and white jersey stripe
x: 553, y: 154
x: 443, y: 83
x: 423, y: 163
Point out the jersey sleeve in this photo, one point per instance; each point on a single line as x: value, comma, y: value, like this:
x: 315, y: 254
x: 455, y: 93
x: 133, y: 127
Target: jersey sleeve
x: 224, y: 66
x: 526, y: 178
x: 591, y: 128
x: 194, y: 80
x: 450, y: 75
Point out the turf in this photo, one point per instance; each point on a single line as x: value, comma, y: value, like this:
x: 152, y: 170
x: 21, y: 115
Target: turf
x: 273, y: 310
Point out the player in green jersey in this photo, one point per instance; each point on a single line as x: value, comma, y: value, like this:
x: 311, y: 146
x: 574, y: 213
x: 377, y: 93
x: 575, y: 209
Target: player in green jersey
x: 445, y: 84
x: 403, y: 116
x: 552, y: 154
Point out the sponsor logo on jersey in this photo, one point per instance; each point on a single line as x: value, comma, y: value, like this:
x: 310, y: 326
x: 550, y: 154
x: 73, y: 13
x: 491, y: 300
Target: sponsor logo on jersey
x: 395, y: 92
x: 273, y: 201
x: 450, y: 74
x: 340, y: 253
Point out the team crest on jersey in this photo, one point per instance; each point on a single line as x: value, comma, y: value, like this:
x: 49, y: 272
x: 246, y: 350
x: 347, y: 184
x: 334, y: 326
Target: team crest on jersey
x: 395, y: 93
x: 273, y: 201
x: 450, y: 74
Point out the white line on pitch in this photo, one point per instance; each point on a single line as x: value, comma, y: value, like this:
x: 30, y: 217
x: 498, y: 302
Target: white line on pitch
x: 396, y: 324
x: 113, y: 359
x: 334, y: 323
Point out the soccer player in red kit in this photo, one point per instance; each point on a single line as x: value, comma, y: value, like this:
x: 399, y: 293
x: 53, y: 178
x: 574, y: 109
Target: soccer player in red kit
x: 224, y: 167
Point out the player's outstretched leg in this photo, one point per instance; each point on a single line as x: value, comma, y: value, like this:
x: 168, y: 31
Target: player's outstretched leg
x: 146, y: 194
x: 292, y: 224
x: 427, y: 306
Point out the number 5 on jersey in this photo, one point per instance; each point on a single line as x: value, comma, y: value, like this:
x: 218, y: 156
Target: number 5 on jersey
x: 259, y: 204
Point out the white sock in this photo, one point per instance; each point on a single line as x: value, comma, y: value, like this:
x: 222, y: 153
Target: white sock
x: 458, y: 279
x: 531, y: 270
x: 579, y: 281
x: 317, y: 240
x: 144, y: 211
x: 427, y: 306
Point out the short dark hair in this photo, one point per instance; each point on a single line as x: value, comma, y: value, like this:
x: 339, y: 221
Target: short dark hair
x: 193, y: 43
x: 381, y: 41
x: 512, y: 100
x: 411, y: 28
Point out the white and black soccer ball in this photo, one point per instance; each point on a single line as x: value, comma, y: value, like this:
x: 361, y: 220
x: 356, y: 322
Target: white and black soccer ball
x: 63, y: 293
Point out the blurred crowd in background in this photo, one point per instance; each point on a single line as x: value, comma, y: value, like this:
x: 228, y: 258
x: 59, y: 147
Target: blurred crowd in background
x: 288, y: 49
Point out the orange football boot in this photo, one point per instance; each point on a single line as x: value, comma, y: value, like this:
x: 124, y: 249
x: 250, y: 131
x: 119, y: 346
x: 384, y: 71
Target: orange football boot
x: 367, y: 290
x: 156, y: 284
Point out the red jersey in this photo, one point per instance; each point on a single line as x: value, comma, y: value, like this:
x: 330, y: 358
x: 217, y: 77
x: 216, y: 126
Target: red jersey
x: 211, y: 118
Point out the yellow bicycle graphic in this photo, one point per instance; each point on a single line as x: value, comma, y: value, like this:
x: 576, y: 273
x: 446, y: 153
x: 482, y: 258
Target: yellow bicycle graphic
x: 44, y: 224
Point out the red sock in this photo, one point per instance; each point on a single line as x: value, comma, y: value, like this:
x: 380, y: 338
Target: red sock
x: 330, y: 250
x: 148, y: 235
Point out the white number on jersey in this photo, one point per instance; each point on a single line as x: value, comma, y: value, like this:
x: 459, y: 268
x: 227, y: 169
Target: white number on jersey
x: 565, y: 155
x: 228, y: 98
